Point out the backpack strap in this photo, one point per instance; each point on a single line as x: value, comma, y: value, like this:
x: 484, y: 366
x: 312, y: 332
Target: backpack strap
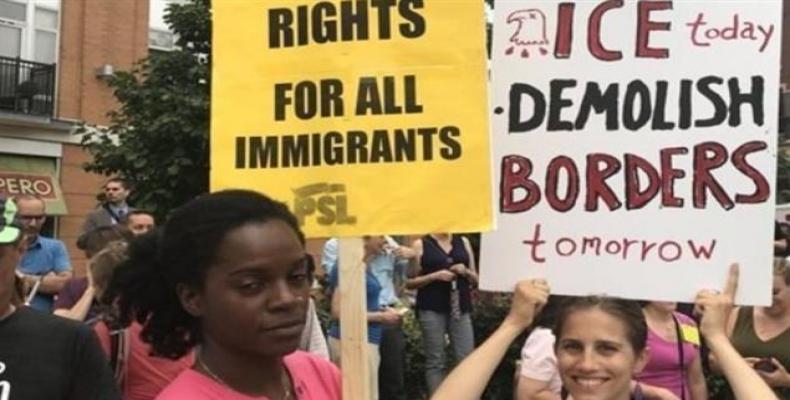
x: 679, y: 334
x: 119, y: 354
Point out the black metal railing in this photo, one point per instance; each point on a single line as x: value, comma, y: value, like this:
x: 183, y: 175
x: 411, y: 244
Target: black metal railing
x: 26, y: 87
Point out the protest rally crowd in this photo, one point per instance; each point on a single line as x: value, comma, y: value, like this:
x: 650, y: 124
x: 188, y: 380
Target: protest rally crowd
x: 589, y: 142
x: 216, y: 304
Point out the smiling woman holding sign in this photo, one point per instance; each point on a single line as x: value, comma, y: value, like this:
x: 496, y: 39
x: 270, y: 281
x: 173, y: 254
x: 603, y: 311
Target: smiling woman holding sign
x: 600, y: 347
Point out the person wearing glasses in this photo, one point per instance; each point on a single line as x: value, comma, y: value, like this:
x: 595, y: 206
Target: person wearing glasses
x: 45, y: 267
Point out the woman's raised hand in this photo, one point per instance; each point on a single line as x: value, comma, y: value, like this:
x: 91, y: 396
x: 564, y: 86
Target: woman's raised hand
x: 529, y: 297
x: 716, y: 306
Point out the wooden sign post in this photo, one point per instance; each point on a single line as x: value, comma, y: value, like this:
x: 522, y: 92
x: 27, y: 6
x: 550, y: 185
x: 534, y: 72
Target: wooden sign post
x: 353, y: 320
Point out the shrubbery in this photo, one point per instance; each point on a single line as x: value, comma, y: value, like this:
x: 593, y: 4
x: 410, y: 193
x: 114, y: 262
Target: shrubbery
x: 490, y: 310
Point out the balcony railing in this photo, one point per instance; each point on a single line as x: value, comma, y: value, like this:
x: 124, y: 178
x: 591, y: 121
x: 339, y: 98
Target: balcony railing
x: 26, y: 87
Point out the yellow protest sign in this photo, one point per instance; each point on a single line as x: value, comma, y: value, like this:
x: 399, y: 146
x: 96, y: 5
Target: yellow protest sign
x: 363, y: 116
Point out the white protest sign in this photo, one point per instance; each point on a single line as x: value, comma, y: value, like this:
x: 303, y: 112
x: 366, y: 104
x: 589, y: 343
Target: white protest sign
x: 634, y: 146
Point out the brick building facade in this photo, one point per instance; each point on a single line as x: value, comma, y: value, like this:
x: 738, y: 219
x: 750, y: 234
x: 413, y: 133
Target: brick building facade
x: 59, y: 52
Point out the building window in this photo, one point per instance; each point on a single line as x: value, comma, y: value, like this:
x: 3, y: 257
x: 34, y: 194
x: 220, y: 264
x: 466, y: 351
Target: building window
x: 28, y: 50
x: 29, y: 29
x: 46, y: 35
x: 10, y: 40
x: 12, y: 10
x: 12, y: 24
x: 161, y: 39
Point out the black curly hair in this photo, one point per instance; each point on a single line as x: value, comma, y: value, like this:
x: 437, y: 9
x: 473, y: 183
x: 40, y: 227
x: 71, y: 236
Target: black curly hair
x: 180, y: 252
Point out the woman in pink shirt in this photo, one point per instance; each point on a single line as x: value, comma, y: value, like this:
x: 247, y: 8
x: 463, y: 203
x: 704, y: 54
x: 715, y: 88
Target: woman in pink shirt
x: 227, y: 275
x: 674, y: 362
x: 142, y: 376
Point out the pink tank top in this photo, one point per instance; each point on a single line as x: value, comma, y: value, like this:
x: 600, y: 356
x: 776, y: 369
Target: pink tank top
x: 663, y: 365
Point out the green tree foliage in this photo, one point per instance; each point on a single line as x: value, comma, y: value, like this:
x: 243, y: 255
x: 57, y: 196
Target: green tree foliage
x: 158, y: 138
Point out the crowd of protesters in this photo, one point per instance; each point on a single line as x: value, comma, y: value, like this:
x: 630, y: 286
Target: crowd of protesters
x: 217, y: 304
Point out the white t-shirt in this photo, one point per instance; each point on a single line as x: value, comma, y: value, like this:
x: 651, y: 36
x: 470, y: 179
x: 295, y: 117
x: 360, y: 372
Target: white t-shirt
x: 538, y: 361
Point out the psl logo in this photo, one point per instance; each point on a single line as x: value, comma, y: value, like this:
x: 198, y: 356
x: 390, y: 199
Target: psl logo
x: 327, y: 200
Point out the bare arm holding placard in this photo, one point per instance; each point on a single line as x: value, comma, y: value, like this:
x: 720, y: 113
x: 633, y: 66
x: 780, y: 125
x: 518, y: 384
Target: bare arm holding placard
x: 528, y: 298
x: 744, y: 381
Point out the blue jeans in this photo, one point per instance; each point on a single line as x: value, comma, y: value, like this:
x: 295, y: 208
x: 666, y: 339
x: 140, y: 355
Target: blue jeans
x: 435, y: 326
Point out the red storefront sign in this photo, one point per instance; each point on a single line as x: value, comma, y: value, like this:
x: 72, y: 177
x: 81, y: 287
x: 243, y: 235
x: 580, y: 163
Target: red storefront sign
x: 19, y: 183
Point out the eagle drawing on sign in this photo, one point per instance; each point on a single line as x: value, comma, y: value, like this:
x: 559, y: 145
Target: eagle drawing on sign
x: 530, y: 31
